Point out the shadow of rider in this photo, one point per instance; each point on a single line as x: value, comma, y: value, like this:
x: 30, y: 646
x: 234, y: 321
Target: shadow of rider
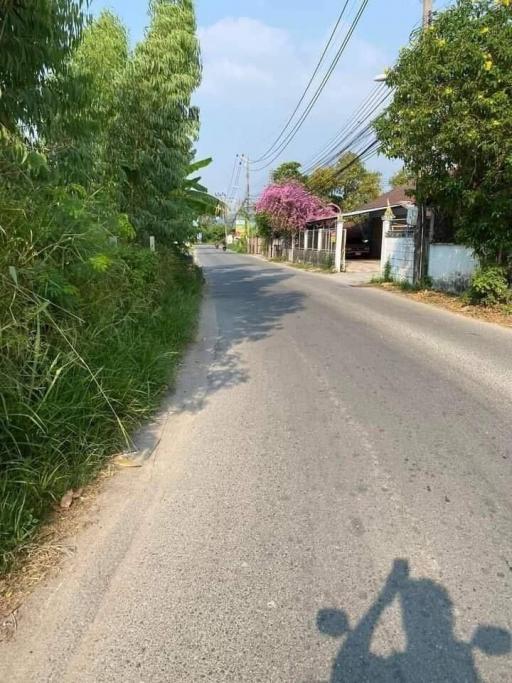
x: 432, y: 652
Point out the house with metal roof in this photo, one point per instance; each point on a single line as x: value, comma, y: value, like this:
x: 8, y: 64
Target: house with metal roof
x: 365, y: 222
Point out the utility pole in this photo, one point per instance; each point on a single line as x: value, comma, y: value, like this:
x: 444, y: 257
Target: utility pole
x: 422, y: 235
x: 248, y: 194
x: 427, y: 13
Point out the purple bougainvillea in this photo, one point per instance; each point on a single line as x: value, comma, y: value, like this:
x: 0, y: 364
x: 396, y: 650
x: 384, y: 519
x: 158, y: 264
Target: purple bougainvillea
x: 290, y: 206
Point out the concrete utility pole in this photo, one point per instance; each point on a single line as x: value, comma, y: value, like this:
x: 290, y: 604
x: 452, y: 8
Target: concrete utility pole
x: 427, y: 13
x: 248, y: 195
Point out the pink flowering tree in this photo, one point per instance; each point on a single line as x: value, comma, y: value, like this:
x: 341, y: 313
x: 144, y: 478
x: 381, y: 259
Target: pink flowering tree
x: 289, y: 207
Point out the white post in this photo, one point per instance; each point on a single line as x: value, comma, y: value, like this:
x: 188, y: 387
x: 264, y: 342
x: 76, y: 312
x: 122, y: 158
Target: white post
x: 320, y: 239
x: 306, y: 240
x: 292, y: 250
x: 338, y: 255
x: 387, y: 220
x: 386, y: 225
x: 152, y: 243
x: 344, y: 251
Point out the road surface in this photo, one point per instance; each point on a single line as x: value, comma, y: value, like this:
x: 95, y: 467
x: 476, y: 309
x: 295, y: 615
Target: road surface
x: 329, y: 500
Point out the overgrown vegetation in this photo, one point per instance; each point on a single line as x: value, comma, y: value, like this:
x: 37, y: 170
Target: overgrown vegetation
x: 489, y: 286
x: 450, y: 122
x: 239, y: 246
x: 213, y: 232
x: 96, y: 154
x: 345, y: 181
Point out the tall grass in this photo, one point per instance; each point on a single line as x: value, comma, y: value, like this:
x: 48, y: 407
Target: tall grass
x: 90, y: 335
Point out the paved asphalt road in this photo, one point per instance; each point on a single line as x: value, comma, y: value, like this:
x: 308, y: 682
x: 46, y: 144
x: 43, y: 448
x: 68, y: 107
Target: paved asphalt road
x: 330, y: 501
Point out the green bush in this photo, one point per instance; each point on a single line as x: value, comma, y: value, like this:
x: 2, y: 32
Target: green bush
x: 214, y: 233
x: 92, y: 323
x: 239, y: 246
x: 489, y: 286
x: 90, y: 335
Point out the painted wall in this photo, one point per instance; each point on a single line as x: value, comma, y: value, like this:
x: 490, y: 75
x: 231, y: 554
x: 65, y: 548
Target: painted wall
x: 450, y: 266
x: 399, y: 251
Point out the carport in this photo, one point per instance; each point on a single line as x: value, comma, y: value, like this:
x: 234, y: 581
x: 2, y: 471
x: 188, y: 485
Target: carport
x: 365, y: 223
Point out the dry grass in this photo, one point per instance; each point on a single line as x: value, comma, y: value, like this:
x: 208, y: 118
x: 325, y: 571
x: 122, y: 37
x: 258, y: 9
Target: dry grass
x: 46, y: 552
x: 500, y: 315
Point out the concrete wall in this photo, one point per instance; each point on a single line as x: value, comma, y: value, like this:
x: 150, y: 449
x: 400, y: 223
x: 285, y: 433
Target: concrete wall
x: 399, y: 251
x: 450, y: 266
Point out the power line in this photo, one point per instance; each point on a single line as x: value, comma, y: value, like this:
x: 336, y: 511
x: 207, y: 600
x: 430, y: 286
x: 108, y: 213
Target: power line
x: 232, y: 176
x: 371, y: 150
x: 350, y: 134
x: 359, y: 135
x: 347, y: 125
x: 236, y: 187
x: 320, y: 88
x: 308, y: 86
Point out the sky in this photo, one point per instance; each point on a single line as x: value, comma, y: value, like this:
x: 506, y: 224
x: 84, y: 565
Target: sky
x: 258, y: 56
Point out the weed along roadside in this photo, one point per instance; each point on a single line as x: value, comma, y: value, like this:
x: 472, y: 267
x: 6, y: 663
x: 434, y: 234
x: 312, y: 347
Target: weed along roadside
x: 99, y: 202
x: 76, y: 383
x: 488, y: 296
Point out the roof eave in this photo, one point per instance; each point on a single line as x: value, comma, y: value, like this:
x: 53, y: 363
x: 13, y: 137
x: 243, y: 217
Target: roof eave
x: 376, y: 209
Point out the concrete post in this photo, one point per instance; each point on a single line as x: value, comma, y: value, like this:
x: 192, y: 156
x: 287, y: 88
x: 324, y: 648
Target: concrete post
x: 306, y: 240
x: 292, y: 249
x: 339, y: 256
x: 320, y: 239
x: 386, y: 225
x: 387, y: 221
x: 152, y: 245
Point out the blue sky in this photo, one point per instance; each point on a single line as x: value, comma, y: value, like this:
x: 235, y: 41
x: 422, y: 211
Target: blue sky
x: 259, y: 54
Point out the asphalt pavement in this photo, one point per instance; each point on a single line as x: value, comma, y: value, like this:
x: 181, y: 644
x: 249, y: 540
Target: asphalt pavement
x: 329, y: 499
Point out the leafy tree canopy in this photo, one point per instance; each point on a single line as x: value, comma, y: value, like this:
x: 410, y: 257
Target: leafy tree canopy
x: 289, y: 206
x: 402, y: 178
x: 35, y: 41
x: 159, y: 123
x: 79, y: 135
x: 348, y: 183
x: 290, y: 170
x: 451, y: 120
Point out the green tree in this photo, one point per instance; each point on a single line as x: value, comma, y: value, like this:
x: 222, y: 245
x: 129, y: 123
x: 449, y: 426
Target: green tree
x: 402, y: 178
x: 451, y: 120
x: 159, y: 124
x: 91, y: 327
x: 348, y: 183
x: 80, y: 137
x: 290, y: 170
x: 35, y: 41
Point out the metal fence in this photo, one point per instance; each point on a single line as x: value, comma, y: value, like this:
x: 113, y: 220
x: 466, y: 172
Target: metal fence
x: 323, y: 258
x: 309, y: 247
x: 256, y: 245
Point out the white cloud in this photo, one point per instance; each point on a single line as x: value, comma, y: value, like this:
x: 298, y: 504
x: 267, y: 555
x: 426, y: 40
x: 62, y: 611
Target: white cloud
x: 254, y: 74
x: 243, y: 53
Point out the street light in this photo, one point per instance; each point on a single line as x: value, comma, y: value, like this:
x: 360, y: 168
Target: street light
x: 381, y: 78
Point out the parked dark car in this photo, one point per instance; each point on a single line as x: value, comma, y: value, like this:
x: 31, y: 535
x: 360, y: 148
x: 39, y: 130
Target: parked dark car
x: 358, y: 243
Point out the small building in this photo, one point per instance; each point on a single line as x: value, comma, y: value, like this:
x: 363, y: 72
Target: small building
x: 414, y: 249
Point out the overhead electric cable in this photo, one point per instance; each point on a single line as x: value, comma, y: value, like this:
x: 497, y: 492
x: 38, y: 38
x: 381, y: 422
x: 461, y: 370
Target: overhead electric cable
x: 232, y: 176
x: 284, y: 144
x: 343, y: 138
x: 353, y: 118
x: 308, y: 86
